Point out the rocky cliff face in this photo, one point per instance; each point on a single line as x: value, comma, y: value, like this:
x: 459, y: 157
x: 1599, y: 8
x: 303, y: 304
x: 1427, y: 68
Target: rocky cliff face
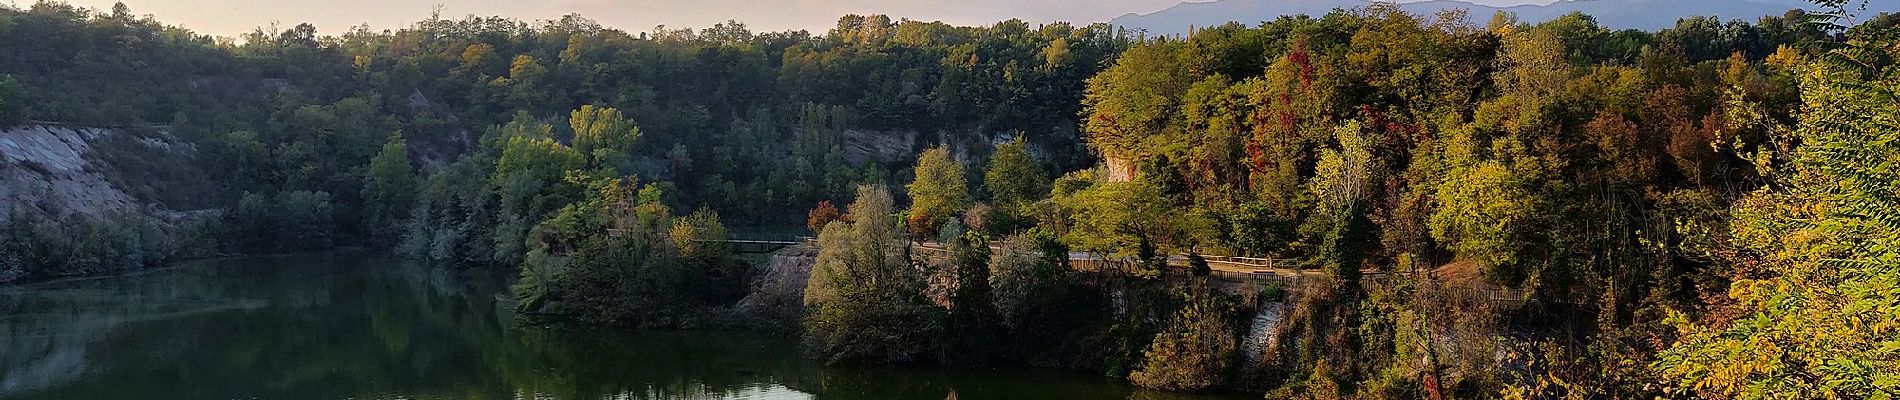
x: 777, y: 299
x: 48, y: 171
x: 879, y: 146
x: 60, y: 171
x: 136, y: 187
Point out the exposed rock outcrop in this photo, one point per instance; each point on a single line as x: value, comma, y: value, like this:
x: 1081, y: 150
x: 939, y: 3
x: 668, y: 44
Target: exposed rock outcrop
x: 120, y: 188
x: 879, y: 146
x: 777, y: 299
x: 49, y: 171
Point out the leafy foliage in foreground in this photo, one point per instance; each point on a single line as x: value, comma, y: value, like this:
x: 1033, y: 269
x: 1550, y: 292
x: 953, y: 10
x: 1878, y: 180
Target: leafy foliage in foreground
x: 1824, y: 319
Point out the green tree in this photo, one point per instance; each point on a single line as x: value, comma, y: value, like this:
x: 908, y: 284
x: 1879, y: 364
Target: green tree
x: 244, y: 160
x: 1342, y: 180
x: 1484, y: 210
x: 530, y: 178
x: 1136, y: 98
x: 1014, y: 179
x: 972, y: 327
x: 864, y: 301
x: 454, y: 215
x: 938, y: 194
x: 603, y: 136
x: 1488, y: 196
x: 1015, y: 183
x: 389, y: 193
x: 305, y: 220
x: 283, y: 221
x: 12, y: 102
x: 1124, y: 219
x: 249, y: 223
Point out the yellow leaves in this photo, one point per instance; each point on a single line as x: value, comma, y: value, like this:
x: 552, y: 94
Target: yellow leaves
x: 525, y: 68
x: 1481, y: 209
x: 602, y: 134
x: 1785, y: 58
x: 1342, y: 175
x: 938, y: 193
x: 1533, y: 64
x: 478, y: 54
x: 1823, y: 325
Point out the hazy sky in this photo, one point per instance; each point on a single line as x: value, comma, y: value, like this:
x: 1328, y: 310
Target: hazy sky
x: 232, y: 17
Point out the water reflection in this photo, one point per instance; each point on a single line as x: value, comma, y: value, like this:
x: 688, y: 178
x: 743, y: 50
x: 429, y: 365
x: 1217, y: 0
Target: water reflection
x: 359, y: 325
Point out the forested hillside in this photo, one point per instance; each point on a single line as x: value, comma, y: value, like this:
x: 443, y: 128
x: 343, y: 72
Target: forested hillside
x: 758, y: 126
x: 1647, y: 15
x: 1485, y: 207
x: 1616, y: 176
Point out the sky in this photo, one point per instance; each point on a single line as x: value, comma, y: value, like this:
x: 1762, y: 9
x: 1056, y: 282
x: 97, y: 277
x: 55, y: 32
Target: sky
x: 234, y: 17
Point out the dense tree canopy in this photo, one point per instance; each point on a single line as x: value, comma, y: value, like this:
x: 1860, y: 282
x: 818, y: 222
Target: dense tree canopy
x: 1821, y: 323
x: 1508, y: 209
x: 711, y: 103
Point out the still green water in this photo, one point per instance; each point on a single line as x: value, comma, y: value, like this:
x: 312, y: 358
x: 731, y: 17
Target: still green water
x: 357, y: 325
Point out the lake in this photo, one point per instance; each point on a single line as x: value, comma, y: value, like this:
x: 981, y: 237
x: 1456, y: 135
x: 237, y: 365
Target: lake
x: 362, y: 325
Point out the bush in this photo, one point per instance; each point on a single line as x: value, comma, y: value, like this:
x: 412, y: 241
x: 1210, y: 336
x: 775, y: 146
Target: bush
x: 618, y: 259
x: 32, y: 247
x: 13, y: 249
x: 864, y: 301
x: 820, y: 216
x: 1195, y: 352
x: 1198, y: 265
x: 287, y: 221
x: 713, y: 273
x: 1025, y: 286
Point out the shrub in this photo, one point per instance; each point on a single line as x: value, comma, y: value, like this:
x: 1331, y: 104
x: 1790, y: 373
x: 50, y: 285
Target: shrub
x: 821, y: 216
x: 864, y: 300
x: 287, y: 221
x: 1195, y: 351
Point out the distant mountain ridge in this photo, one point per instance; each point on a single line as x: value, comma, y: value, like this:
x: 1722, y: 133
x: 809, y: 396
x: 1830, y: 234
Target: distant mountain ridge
x: 1614, y: 14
